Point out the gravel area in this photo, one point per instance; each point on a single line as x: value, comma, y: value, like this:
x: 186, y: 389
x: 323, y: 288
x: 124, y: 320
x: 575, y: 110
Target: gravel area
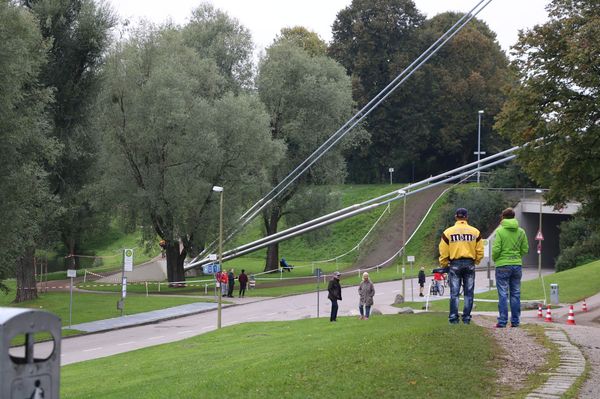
x: 521, y: 355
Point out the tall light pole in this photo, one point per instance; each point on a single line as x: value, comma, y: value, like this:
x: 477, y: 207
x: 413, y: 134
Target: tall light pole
x: 391, y: 170
x: 479, y: 153
x: 219, y: 190
x: 403, y: 192
x: 539, y: 237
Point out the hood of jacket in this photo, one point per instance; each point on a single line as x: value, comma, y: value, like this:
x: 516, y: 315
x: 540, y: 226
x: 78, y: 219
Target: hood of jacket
x: 511, y: 224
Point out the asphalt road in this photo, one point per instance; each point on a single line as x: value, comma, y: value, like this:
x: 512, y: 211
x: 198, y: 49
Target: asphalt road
x: 92, y: 346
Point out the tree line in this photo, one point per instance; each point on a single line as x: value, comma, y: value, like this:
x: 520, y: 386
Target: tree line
x: 102, y: 118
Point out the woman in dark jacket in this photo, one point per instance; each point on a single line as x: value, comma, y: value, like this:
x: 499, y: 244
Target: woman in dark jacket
x: 335, y: 294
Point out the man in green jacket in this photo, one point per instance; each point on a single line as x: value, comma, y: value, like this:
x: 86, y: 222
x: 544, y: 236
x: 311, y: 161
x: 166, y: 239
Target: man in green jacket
x: 510, y: 245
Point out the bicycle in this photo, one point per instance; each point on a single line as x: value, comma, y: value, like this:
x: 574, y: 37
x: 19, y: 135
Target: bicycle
x: 436, y: 288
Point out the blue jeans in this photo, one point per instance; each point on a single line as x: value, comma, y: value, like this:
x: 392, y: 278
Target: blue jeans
x: 461, y: 271
x: 508, y: 278
x: 366, y: 312
x: 334, y: 310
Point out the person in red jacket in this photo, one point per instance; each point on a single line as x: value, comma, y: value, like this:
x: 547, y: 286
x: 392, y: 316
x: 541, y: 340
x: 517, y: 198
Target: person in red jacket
x: 224, y: 283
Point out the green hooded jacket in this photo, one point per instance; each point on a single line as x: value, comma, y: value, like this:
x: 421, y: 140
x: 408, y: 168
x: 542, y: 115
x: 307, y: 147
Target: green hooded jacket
x: 510, y: 244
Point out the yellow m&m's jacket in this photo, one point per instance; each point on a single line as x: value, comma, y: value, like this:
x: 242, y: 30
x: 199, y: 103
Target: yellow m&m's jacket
x: 460, y: 241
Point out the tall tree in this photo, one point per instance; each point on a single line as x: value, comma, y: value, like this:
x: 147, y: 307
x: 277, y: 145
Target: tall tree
x: 172, y: 132
x: 430, y: 123
x: 25, y: 201
x: 374, y: 41
x: 307, y: 40
x: 558, y: 103
x: 308, y: 98
x: 217, y: 36
x: 79, y: 31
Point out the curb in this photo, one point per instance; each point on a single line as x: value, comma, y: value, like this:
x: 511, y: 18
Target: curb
x: 571, y: 367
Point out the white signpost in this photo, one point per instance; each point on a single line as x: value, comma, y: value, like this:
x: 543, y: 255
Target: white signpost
x: 128, y: 260
x: 127, y: 267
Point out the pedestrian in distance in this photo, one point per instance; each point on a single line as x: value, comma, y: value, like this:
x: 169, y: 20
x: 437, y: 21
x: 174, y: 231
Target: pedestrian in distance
x: 461, y: 249
x: 421, y: 280
x: 231, y: 283
x: 224, y: 283
x: 366, y: 292
x: 508, y: 249
x: 243, y: 279
x: 334, y: 290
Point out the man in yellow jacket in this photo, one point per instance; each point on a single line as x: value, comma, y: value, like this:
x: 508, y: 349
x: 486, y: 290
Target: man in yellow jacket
x: 461, y: 248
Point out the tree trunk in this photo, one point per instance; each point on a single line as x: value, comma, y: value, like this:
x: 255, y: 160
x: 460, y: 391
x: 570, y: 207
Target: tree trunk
x: 175, y: 272
x: 272, y: 261
x: 72, y: 262
x: 25, y: 275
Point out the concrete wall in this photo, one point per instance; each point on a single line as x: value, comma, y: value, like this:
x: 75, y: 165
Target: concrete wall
x: 550, y: 231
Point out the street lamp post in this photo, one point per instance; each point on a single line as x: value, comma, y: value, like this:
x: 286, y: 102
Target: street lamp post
x: 391, y: 170
x: 539, y: 237
x: 479, y: 152
x: 220, y: 191
x: 403, y: 192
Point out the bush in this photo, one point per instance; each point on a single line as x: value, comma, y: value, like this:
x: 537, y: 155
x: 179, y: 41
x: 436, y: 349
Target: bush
x: 579, y: 242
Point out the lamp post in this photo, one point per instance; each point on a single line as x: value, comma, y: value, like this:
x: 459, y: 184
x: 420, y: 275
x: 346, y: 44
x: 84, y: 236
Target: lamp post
x: 219, y: 190
x: 403, y: 192
x: 391, y: 170
x: 539, y: 237
x: 478, y: 152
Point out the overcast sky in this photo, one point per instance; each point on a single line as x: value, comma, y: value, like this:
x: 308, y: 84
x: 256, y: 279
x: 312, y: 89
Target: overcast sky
x: 265, y: 18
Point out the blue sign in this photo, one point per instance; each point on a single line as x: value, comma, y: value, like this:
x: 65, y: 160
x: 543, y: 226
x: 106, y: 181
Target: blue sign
x: 211, y: 268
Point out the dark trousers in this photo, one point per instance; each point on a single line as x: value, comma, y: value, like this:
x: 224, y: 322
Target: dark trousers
x: 242, y: 290
x: 334, y: 310
x: 230, y: 290
x: 462, y: 271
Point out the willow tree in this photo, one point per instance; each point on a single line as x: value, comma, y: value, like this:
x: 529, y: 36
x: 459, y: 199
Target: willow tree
x: 172, y: 131
x: 25, y: 200
x: 308, y: 97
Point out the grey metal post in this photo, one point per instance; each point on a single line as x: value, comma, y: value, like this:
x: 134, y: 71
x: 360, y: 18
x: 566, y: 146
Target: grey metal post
x: 220, y: 191
x: 479, y: 144
x: 403, y: 241
x: 71, y: 302
x: 539, y: 241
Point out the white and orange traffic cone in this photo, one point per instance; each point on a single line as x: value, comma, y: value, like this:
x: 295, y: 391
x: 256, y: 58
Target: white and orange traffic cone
x: 571, y: 318
x: 584, y: 306
x: 548, y: 315
x: 540, y: 315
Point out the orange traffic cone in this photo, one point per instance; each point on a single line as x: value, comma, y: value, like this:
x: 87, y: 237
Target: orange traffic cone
x: 584, y: 306
x: 548, y: 315
x: 540, y: 315
x: 571, y: 318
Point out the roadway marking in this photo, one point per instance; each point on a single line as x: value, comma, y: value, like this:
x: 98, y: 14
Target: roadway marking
x: 252, y: 317
x: 396, y: 291
x: 206, y: 328
x: 159, y: 337
x: 185, y: 332
x: 92, y: 349
x: 271, y: 314
x: 381, y: 293
x: 126, y: 343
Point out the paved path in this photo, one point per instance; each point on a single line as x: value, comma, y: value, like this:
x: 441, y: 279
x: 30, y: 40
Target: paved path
x: 81, y: 348
x: 585, y: 334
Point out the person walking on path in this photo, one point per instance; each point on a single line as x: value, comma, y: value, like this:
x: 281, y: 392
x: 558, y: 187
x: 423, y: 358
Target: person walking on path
x: 335, y: 294
x: 366, y: 292
x: 421, y: 280
x: 231, y: 282
x: 461, y: 248
x: 243, y: 279
x: 510, y: 245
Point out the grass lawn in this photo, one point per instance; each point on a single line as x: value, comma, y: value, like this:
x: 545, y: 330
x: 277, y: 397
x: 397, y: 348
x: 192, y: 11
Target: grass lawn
x: 386, y: 357
x: 574, y: 285
x: 91, y: 307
